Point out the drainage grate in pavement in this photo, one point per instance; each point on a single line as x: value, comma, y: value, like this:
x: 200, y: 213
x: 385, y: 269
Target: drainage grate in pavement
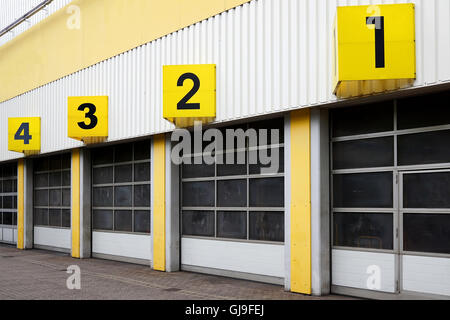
x: 6, y: 256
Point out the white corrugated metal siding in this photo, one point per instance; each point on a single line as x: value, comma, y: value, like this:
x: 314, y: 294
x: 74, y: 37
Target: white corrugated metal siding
x: 271, y: 56
x: 11, y: 10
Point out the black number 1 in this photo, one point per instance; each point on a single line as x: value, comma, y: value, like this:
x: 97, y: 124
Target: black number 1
x: 380, y: 60
x: 183, y: 105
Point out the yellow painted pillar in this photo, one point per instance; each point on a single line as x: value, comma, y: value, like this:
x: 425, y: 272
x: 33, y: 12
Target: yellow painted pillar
x: 159, y: 203
x: 20, y: 205
x: 76, y: 203
x: 300, y: 207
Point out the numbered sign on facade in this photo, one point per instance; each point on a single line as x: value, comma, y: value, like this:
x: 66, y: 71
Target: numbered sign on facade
x: 24, y: 135
x: 88, y: 118
x: 189, y: 93
x: 374, y: 49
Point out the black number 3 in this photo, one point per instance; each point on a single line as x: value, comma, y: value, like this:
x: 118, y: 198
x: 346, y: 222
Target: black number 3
x: 183, y: 105
x: 89, y: 115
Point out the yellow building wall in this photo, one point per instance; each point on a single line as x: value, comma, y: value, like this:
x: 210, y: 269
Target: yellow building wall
x: 56, y: 47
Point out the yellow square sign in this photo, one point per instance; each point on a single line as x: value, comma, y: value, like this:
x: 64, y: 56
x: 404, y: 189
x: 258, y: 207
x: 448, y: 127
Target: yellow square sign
x: 189, y: 93
x: 88, y: 118
x: 24, y: 135
x: 372, y: 44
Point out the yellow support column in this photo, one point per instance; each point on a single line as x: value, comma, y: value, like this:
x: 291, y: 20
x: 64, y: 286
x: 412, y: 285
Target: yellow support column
x: 76, y: 203
x: 20, y: 205
x: 300, y: 202
x: 159, y: 203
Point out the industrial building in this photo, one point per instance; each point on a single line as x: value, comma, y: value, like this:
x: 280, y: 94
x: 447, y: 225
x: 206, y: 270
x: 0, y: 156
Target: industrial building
x: 91, y: 92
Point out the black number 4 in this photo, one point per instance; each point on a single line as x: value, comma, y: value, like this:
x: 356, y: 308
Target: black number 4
x: 89, y: 115
x: 25, y: 128
x: 183, y: 105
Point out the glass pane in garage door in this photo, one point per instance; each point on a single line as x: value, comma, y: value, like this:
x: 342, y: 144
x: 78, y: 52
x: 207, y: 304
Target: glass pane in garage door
x: 8, y: 200
x: 363, y: 230
x: 237, y: 200
x: 425, y: 210
x: 121, y: 188
x: 426, y: 190
x: 52, y: 191
x: 424, y: 232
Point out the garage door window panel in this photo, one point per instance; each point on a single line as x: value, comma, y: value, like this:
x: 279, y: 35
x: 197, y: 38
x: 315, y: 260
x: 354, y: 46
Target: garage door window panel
x: 199, y: 194
x: 365, y: 119
x: 103, y: 220
x: 8, y: 195
x: 426, y: 190
x: 232, y: 224
x: 232, y: 193
x: 370, y: 146
x: 121, y: 188
x: 428, y: 233
x: 424, y: 148
x: 363, y: 230
x: 363, y: 190
x: 123, y: 220
x: 220, y: 200
x: 198, y: 223
x: 52, y: 192
x: 266, y: 226
x: 363, y: 153
x: 410, y: 111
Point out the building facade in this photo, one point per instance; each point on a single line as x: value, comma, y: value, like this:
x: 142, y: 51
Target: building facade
x: 360, y: 203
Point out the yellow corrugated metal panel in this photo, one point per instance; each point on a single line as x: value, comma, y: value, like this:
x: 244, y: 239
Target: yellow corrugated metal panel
x: 159, y: 203
x: 95, y: 31
x: 76, y: 203
x: 301, y: 201
x: 20, y: 205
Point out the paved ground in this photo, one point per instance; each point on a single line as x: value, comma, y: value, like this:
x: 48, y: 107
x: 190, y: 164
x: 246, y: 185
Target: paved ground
x: 36, y: 274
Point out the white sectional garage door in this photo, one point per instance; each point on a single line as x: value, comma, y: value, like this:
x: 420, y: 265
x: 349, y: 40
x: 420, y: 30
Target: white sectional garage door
x: 8, y: 203
x: 121, y: 208
x: 390, y: 196
x: 52, y: 202
x: 232, y: 216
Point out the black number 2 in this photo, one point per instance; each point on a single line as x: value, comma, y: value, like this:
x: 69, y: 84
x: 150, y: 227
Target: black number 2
x: 25, y: 128
x: 89, y: 115
x: 380, y: 60
x: 183, y: 104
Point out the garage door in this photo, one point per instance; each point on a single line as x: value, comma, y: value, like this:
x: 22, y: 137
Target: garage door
x: 232, y: 216
x: 51, y: 202
x: 8, y: 203
x: 121, y: 208
x: 390, y: 196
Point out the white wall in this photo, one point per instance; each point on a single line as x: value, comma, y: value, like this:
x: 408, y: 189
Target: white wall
x: 271, y: 56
